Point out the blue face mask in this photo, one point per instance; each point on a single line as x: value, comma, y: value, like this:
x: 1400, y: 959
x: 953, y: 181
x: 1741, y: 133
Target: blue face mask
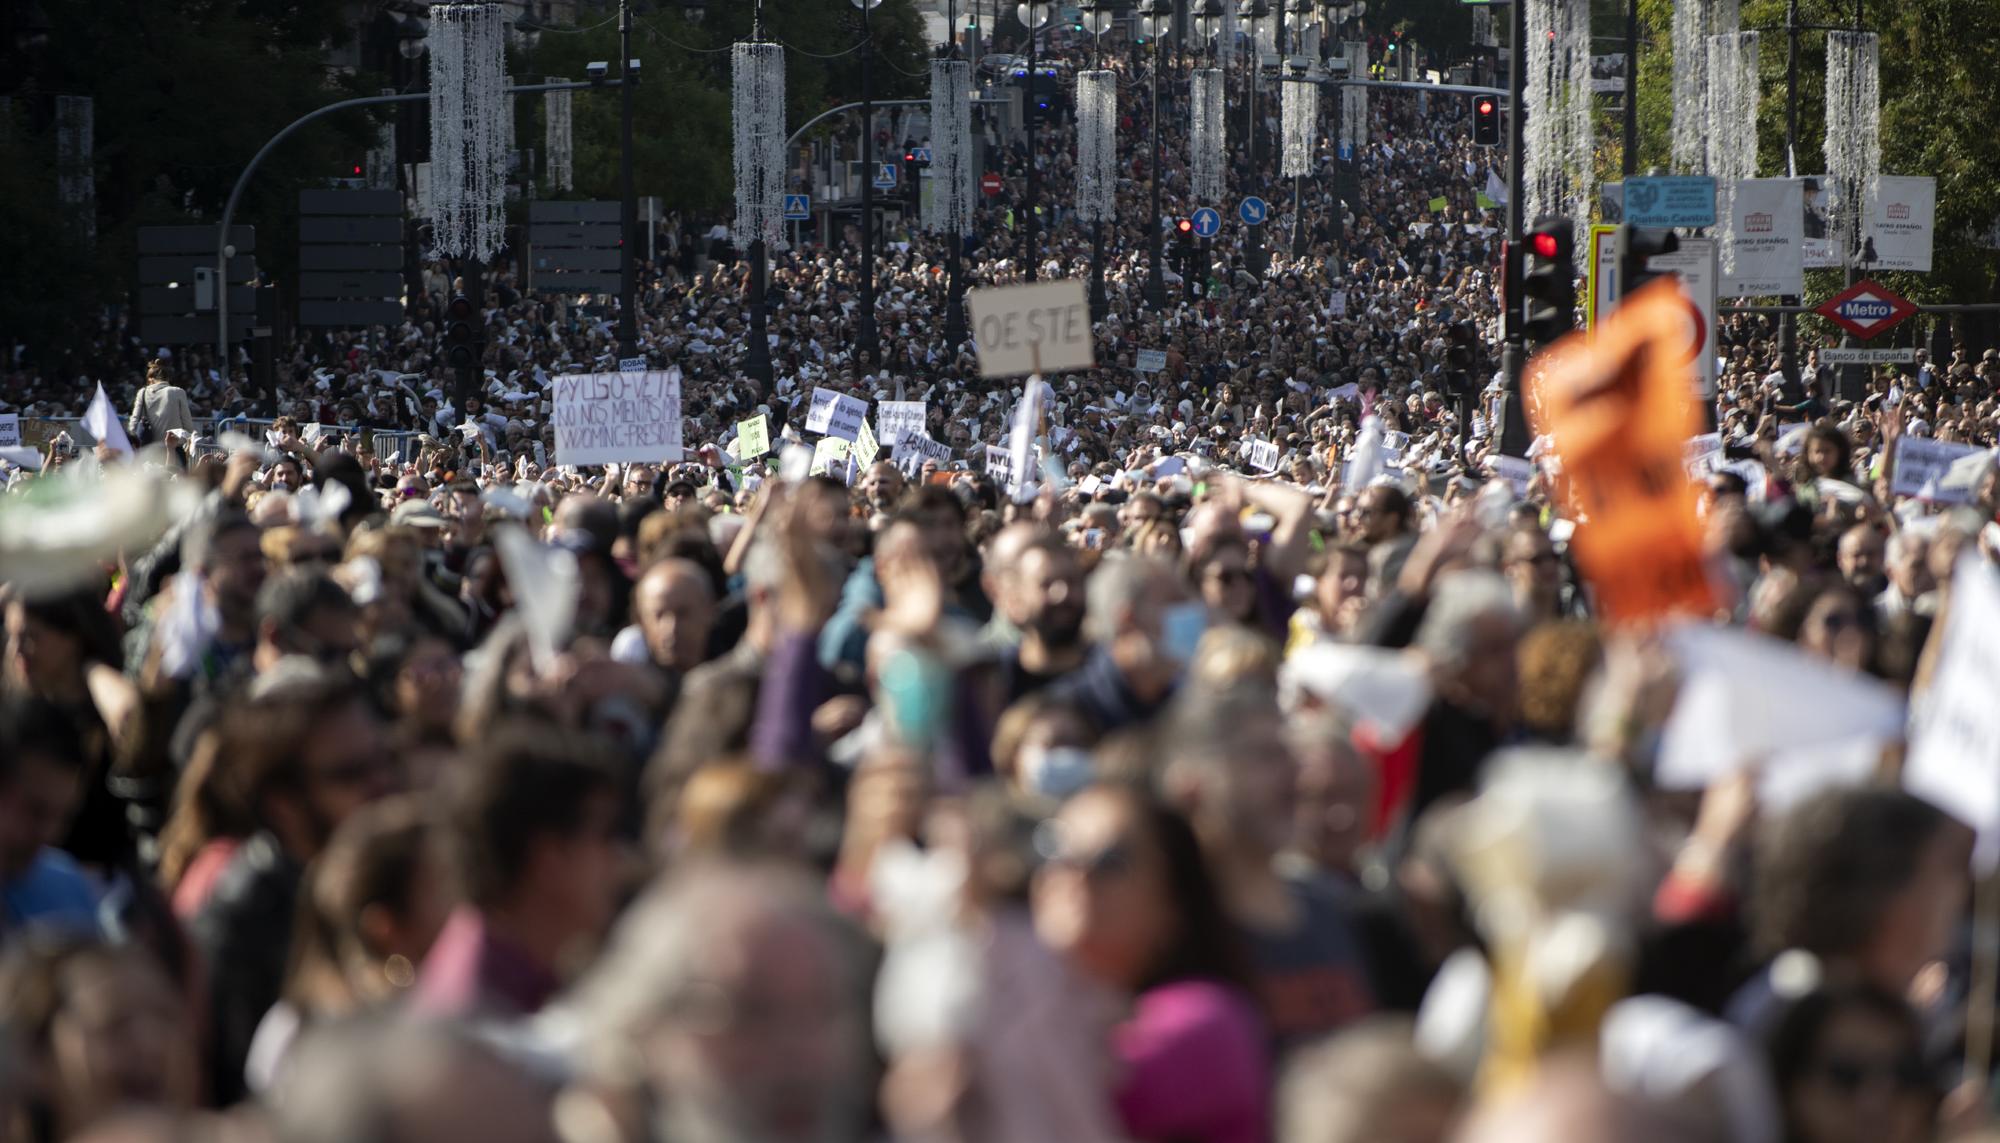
x: 1181, y: 629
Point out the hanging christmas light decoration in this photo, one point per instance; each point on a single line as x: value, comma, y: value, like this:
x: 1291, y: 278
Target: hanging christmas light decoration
x: 1300, y: 104
x: 469, y: 120
x: 757, y: 115
x: 1561, y: 156
x: 1694, y: 22
x: 1853, y: 125
x: 1205, y: 136
x: 1096, y: 145
x: 954, y: 182
x: 1732, y: 127
x: 557, y: 122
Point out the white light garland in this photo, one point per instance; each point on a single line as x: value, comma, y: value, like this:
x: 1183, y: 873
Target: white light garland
x: 1695, y: 21
x: 1300, y: 133
x: 1853, y: 126
x: 1732, y: 127
x: 1560, y: 166
x: 954, y: 182
x: 558, y: 121
x: 1096, y: 145
x: 1206, y: 161
x: 757, y: 115
x: 469, y: 121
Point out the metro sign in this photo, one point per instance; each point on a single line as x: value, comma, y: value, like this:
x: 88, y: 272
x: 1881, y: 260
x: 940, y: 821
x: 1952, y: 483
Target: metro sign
x: 1866, y: 309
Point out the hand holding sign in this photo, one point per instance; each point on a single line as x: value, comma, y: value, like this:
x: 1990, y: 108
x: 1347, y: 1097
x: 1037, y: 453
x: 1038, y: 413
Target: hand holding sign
x: 1037, y: 328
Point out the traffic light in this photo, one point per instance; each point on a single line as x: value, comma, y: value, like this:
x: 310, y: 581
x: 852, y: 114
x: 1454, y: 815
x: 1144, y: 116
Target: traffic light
x: 1486, y: 121
x: 1636, y: 246
x: 1548, y: 280
x: 1461, y: 355
x: 461, y: 333
x: 1184, y: 254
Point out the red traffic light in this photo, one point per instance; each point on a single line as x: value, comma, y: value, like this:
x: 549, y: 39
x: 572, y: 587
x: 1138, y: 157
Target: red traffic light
x: 1546, y: 246
x: 1486, y: 107
x: 1184, y: 225
x: 357, y: 168
x: 909, y: 156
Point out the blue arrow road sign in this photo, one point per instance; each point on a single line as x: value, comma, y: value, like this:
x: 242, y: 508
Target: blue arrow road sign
x: 798, y: 207
x: 1347, y: 152
x: 885, y: 176
x: 1254, y: 210
x: 1206, y: 222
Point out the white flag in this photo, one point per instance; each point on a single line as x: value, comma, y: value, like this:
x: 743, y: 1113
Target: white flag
x: 101, y: 421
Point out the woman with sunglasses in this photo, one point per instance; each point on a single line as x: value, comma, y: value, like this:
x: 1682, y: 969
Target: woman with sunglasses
x: 1847, y: 1064
x: 1124, y: 895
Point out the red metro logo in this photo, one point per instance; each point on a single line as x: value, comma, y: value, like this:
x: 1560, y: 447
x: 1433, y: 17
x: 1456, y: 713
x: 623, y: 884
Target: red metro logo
x: 1866, y: 309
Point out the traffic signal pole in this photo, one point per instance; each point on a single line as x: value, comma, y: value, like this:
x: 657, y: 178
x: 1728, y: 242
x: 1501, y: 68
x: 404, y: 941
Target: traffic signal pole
x: 1513, y: 435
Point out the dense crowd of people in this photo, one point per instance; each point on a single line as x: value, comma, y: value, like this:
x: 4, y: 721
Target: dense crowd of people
x: 1159, y: 793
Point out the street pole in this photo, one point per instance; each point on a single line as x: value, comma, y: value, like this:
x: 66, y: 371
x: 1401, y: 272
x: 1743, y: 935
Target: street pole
x: 1253, y: 242
x: 628, y: 284
x: 1034, y: 179
x: 867, y: 341
x: 1156, y: 281
x: 1514, y: 354
x: 1788, y: 324
x: 954, y: 297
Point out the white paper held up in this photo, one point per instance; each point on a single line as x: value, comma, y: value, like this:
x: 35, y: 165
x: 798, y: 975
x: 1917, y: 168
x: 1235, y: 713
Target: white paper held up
x: 1954, y: 758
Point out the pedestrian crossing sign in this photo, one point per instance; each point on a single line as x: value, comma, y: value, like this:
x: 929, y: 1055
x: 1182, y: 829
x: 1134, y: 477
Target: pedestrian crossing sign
x: 798, y: 207
x: 885, y: 176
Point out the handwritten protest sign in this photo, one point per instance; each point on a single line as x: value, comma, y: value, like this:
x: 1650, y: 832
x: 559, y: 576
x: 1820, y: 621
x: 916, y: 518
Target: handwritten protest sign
x: 606, y: 418
x: 1039, y: 328
x: 912, y: 451
x: 753, y: 437
x: 865, y: 448
x: 895, y: 420
x: 1703, y: 455
x: 10, y: 429
x: 1263, y: 455
x: 829, y: 455
x: 836, y: 414
x: 1922, y: 466
x: 998, y: 465
x: 1150, y: 360
x: 1518, y: 473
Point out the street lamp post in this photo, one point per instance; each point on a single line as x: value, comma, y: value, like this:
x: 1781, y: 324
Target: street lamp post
x: 628, y: 212
x: 1336, y: 13
x: 1253, y: 242
x: 1155, y: 17
x: 867, y: 340
x: 1033, y: 15
x: 1208, y: 26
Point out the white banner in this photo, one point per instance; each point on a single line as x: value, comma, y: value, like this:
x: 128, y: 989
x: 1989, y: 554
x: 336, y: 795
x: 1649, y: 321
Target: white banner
x: 1765, y: 254
x: 1954, y: 756
x: 1901, y: 214
x: 1922, y: 465
x: 618, y: 418
x: 1820, y: 208
x: 836, y: 414
x: 895, y: 420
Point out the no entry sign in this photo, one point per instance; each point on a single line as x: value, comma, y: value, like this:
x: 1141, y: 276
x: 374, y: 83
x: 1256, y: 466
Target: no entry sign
x: 990, y: 183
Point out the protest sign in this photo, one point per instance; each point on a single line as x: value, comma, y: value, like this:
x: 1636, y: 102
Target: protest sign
x: 1021, y: 441
x: 605, y: 418
x: 836, y: 414
x: 1044, y: 327
x: 865, y: 448
x: 1336, y: 304
x: 1516, y: 472
x: 1150, y: 360
x: 1763, y: 247
x: 1703, y: 455
x: 1620, y: 408
x: 753, y: 437
x: 1439, y: 205
x: 1263, y: 455
x: 829, y: 455
x: 998, y: 466
x: 102, y: 423
x: 1089, y: 485
x: 914, y: 449
x: 1923, y: 464
x: 10, y: 429
x: 895, y: 420
x: 1954, y: 756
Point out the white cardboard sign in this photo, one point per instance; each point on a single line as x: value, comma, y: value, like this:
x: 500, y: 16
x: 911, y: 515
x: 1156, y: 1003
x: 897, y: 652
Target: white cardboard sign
x: 836, y: 414
x: 895, y: 420
x: 617, y: 418
x: 1923, y: 467
x: 1954, y: 757
x: 1264, y: 455
x: 1038, y: 328
x: 1150, y: 360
